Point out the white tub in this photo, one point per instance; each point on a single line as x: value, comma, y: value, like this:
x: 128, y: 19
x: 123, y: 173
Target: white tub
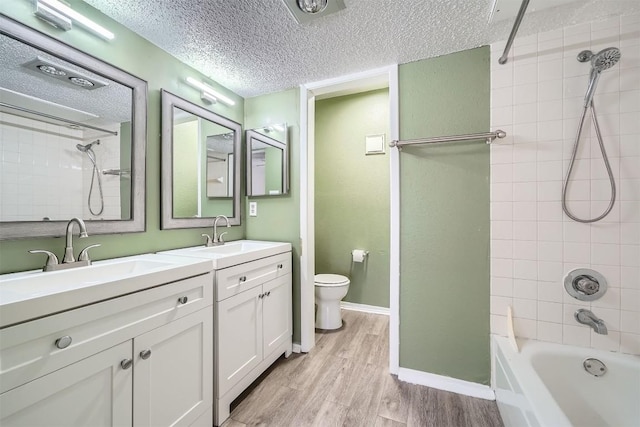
x: 546, y: 385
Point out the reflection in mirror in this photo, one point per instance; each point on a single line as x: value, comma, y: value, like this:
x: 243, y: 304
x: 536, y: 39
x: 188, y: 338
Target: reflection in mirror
x: 267, y: 161
x: 220, y: 165
x: 72, y: 134
x: 200, y: 165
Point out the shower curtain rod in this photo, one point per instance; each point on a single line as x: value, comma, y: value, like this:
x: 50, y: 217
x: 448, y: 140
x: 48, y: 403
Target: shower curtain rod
x: 514, y: 31
x: 487, y: 136
x: 48, y: 116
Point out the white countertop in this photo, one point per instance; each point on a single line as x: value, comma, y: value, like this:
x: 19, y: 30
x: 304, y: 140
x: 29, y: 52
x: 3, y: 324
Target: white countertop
x: 234, y: 252
x: 32, y: 294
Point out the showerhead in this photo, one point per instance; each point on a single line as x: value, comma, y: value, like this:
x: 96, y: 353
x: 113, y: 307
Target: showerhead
x: 87, y: 147
x: 600, y: 61
x: 605, y: 59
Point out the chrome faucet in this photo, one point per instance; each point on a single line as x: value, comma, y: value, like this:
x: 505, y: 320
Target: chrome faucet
x: 216, y: 240
x: 586, y: 317
x: 68, y: 250
x: 68, y: 260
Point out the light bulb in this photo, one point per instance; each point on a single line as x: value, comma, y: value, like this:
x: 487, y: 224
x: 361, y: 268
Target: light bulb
x: 312, y: 6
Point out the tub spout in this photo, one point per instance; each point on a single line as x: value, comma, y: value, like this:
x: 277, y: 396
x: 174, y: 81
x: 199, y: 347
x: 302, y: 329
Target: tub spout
x: 586, y: 317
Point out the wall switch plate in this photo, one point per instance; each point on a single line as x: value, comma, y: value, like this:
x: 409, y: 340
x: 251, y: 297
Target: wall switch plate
x: 253, y: 208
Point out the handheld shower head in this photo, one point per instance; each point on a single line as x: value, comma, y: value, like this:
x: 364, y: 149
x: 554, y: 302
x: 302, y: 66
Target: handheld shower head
x: 87, y: 147
x: 600, y: 61
x: 605, y: 59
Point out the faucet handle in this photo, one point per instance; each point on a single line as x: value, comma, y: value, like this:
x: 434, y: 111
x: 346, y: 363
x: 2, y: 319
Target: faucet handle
x: 209, y: 241
x: 84, y: 254
x: 52, y: 259
x: 220, y: 238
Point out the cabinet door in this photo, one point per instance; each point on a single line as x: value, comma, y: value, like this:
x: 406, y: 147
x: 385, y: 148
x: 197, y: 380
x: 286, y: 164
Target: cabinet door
x: 95, y: 391
x: 173, y: 371
x: 239, y: 334
x: 276, y: 313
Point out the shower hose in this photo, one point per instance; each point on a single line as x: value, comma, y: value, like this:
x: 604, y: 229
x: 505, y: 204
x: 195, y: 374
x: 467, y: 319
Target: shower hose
x: 576, y: 144
x: 93, y: 175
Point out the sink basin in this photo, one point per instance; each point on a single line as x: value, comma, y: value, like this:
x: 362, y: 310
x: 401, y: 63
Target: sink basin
x: 233, y: 253
x: 33, y: 294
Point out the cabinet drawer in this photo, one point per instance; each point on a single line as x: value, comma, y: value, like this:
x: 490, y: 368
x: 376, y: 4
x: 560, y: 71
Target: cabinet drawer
x: 29, y: 350
x: 233, y: 280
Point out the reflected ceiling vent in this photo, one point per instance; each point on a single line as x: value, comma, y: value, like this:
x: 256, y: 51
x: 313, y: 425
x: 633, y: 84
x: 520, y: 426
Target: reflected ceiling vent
x: 62, y: 73
x: 308, y: 10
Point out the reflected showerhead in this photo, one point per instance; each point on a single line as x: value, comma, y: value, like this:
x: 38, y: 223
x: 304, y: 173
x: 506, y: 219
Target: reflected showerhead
x: 87, y: 147
x: 605, y: 59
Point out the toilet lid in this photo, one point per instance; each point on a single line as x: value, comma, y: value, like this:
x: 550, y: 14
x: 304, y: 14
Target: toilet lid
x: 330, y: 280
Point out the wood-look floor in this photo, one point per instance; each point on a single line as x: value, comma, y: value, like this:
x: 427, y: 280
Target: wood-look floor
x: 345, y: 381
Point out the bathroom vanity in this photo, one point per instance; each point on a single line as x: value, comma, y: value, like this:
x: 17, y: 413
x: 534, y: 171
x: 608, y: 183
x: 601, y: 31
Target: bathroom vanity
x: 157, y: 339
x: 252, y: 313
x: 122, y: 342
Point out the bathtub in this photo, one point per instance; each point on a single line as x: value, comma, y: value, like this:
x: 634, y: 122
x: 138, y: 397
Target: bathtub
x: 546, y: 384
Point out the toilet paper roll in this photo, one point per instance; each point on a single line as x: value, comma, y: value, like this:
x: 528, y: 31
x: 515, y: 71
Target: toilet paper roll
x: 358, y: 255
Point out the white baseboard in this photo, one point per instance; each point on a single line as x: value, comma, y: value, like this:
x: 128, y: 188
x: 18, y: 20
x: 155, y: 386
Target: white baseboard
x: 296, y: 348
x: 364, y: 307
x: 441, y: 382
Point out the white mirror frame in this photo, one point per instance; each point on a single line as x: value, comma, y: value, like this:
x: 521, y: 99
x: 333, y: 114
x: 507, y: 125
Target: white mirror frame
x: 137, y: 222
x: 169, y: 101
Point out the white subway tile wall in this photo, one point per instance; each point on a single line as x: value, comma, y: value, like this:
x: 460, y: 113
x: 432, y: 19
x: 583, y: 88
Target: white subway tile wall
x: 43, y: 175
x: 537, y: 97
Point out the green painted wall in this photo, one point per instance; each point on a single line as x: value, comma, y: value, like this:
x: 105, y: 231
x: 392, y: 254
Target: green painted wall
x: 444, y: 237
x: 352, y: 194
x: 162, y: 71
x: 279, y: 216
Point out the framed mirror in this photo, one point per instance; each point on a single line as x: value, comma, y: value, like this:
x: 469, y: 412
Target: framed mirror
x: 267, y: 161
x: 73, y: 137
x: 200, y: 165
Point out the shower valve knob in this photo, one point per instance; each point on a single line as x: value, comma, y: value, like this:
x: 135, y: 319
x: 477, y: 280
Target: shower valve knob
x: 586, y: 285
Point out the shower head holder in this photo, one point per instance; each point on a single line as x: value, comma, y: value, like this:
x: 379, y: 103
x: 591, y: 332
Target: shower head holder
x: 585, y: 56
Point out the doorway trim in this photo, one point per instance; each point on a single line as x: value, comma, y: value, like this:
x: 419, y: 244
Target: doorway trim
x: 353, y: 83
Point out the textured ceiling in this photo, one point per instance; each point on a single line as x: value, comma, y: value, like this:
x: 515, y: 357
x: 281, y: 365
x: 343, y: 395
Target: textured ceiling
x: 255, y: 47
x: 111, y: 103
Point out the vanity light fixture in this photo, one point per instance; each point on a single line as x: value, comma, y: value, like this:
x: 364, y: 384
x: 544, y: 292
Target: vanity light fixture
x: 208, y: 98
x: 61, y: 15
x: 52, y: 17
x: 208, y: 90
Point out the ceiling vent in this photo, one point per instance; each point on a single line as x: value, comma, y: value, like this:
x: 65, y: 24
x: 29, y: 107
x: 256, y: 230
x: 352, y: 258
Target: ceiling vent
x: 302, y: 17
x: 62, y: 73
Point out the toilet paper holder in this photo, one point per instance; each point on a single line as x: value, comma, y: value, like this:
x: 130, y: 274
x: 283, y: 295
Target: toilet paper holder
x: 359, y: 255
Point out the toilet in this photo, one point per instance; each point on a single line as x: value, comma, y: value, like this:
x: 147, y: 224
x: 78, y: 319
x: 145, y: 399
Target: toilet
x: 329, y: 289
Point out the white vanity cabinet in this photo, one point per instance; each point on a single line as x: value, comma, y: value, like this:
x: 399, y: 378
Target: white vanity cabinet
x: 253, y: 324
x: 141, y: 359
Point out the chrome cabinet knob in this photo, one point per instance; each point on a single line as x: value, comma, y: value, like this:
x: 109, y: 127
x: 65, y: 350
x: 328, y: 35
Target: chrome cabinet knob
x: 183, y: 300
x: 261, y: 296
x: 280, y: 266
x: 145, y: 354
x: 63, y: 342
x: 243, y: 279
x: 268, y: 293
x: 126, y: 363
